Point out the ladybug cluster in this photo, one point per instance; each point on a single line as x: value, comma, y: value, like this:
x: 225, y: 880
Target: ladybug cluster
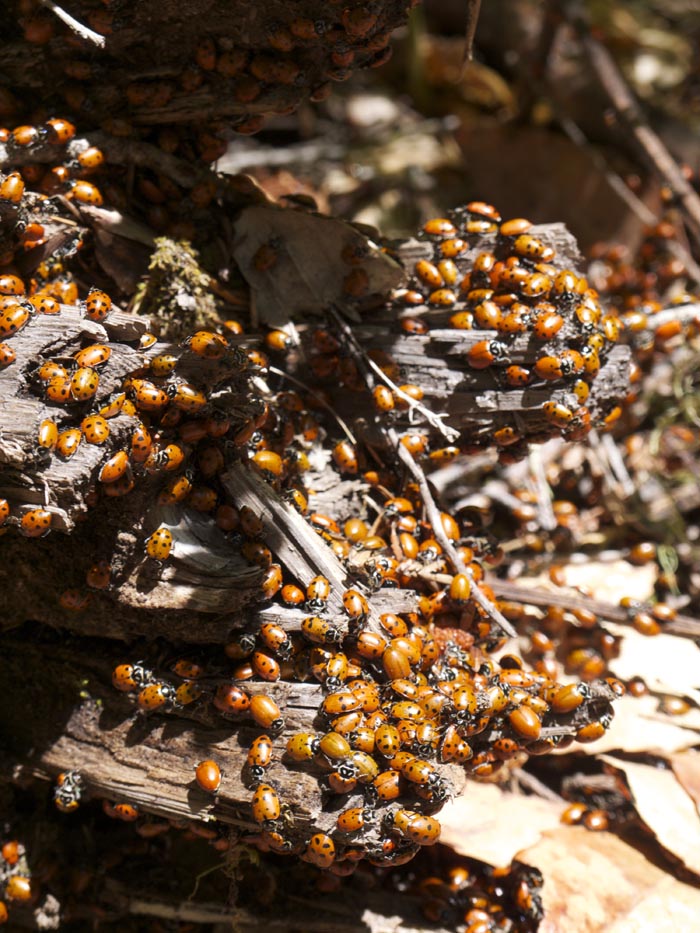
x: 471, y: 897
x: 15, y: 878
x: 240, y: 66
x: 530, y: 328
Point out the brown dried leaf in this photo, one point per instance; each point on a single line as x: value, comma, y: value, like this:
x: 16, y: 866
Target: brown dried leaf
x: 493, y: 824
x: 308, y: 274
x: 665, y: 807
x: 596, y: 883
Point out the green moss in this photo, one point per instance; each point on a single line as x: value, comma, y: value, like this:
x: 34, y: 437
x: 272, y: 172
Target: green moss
x: 177, y: 294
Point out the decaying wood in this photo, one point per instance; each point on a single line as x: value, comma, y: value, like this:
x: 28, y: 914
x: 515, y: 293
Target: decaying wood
x: 149, y: 760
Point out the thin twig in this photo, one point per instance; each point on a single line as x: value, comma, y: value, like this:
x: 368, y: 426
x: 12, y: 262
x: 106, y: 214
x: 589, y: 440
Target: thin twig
x: 448, y: 547
x: 630, y: 115
x: 73, y: 24
x: 686, y: 626
x: 473, y: 10
x: 450, y: 434
x: 545, y: 512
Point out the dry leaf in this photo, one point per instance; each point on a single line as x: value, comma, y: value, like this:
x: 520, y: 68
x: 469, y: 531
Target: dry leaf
x: 666, y: 663
x: 639, y: 727
x: 610, y: 580
x: 665, y: 807
x: 596, y: 883
x: 308, y: 270
x: 686, y: 767
x: 494, y: 824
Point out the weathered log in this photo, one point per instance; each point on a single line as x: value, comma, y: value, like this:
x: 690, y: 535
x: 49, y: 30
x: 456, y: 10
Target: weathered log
x: 74, y: 719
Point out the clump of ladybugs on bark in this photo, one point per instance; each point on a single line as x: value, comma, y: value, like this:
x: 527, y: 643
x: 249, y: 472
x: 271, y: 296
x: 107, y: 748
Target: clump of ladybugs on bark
x: 218, y: 73
x: 469, y: 896
x: 405, y: 695
x: 510, y: 318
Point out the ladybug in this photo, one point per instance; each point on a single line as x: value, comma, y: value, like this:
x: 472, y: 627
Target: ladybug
x: 147, y: 340
x: 320, y: 631
x: 269, y: 463
x: 270, y: 586
x: 423, y: 830
x: 514, y: 227
x: 334, y: 746
x: 525, y: 723
x: 163, y: 364
x: 345, y: 458
x: 531, y: 247
x: 68, y: 791
x: 383, y: 398
x: 356, y: 606
x: 439, y: 226
x: 59, y: 131
x: 414, y: 325
x: 90, y: 159
x: 303, y: 746
x: 142, y: 445
x: 276, y: 638
x: 208, y: 776
x: 317, y: 594
x: 187, y: 399
x: 93, y: 356
x: 342, y: 701
x: 44, y: 304
x: 568, y: 698
x: 86, y: 193
x: 83, y: 384
x: 547, y: 325
x: 266, y: 806
x: 207, y: 345
x: 292, y: 595
x: 482, y: 354
x: 388, y: 785
x: 98, y: 576
x: 557, y: 414
x: 18, y: 888
x: 549, y: 367
x: 11, y: 285
x: 98, y: 304
x: 13, y: 319
x: 517, y: 376
x: 188, y: 692
x: 95, y: 429
x: 266, y: 713
x: 594, y: 730
x: 130, y: 677
x: 265, y: 666
x: 155, y: 696
x: 453, y: 247
x: 7, y: 355
x: 159, y: 544
x: 259, y: 756
x: 114, y: 468
x: 229, y: 698
x: 125, y: 812
x: 68, y: 442
x: 12, y: 188
x: 175, y: 490
x: 354, y: 819
x: 321, y: 850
